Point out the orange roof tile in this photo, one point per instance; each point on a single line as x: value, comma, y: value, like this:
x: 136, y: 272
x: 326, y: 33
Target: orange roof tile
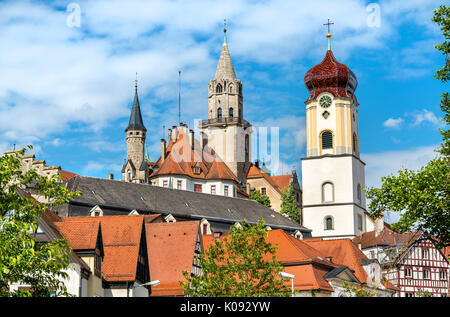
x: 81, y: 235
x: 121, y: 239
x: 66, y: 175
x: 181, y: 158
x: 283, y: 181
x: 344, y: 253
x: 307, y: 264
x: 386, y: 237
x: 171, y: 248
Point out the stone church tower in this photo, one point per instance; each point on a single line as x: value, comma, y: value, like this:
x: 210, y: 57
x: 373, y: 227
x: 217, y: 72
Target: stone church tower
x: 135, y: 168
x: 226, y: 131
x: 333, y: 173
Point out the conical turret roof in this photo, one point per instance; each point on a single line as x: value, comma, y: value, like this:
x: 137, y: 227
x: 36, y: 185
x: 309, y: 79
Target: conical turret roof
x: 136, y: 122
x: 225, y: 69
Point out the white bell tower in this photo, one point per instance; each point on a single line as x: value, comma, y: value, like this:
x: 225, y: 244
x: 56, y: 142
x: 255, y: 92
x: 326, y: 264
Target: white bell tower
x: 334, y: 204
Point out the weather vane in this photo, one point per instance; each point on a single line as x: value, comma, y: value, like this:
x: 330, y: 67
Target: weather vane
x: 329, y: 34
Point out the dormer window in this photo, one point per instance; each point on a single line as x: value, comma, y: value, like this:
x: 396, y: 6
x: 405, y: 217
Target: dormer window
x: 197, y: 170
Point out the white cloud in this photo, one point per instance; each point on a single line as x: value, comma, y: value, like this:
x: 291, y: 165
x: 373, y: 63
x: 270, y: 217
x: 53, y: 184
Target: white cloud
x: 386, y: 163
x: 426, y: 116
x: 393, y: 123
x: 55, y: 77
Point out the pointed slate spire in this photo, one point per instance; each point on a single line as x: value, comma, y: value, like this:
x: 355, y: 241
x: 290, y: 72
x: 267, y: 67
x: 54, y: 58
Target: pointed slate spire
x: 225, y: 69
x: 136, y: 122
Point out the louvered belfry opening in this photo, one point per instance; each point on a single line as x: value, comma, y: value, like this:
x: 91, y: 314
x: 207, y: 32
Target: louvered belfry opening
x: 327, y: 140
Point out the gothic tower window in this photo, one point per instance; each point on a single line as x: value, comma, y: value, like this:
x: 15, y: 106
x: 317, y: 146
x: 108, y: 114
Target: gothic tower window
x: 231, y: 89
x: 230, y: 114
x: 218, y: 88
x: 219, y: 113
x: 247, y: 145
x: 327, y: 140
x: 359, y: 193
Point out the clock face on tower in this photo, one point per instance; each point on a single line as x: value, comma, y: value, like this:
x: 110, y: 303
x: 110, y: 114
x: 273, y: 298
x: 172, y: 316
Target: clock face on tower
x: 325, y: 101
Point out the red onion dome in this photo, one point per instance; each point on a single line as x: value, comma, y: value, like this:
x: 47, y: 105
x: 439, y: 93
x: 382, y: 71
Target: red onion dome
x: 330, y: 76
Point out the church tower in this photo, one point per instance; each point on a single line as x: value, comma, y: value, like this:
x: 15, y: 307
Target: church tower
x: 135, y: 168
x: 226, y: 132
x: 332, y: 172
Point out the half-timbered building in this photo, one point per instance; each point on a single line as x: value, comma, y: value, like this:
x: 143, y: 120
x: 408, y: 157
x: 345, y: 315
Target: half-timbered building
x: 410, y: 261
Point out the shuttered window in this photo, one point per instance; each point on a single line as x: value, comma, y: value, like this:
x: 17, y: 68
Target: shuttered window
x: 327, y: 140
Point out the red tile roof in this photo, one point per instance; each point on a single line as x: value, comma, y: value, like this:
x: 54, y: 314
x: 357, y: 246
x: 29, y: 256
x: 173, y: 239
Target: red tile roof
x: 66, y: 175
x: 343, y: 252
x: 121, y: 239
x: 181, y: 158
x: 171, y: 249
x: 278, y: 182
x: 283, y: 181
x: 386, y: 237
x: 81, y: 235
x: 307, y: 264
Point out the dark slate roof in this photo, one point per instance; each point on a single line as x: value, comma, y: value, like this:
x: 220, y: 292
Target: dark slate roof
x: 136, y: 122
x: 118, y: 197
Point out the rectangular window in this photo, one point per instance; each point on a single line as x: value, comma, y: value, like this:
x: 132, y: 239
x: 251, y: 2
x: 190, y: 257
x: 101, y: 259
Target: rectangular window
x: 263, y: 191
x: 165, y: 183
x: 179, y: 184
x: 198, y: 188
x: 443, y: 275
x: 408, y: 272
x: 360, y: 223
x: 213, y: 189
x: 425, y: 254
x: 225, y: 190
x: 426, y: 274
x: 409, y: 295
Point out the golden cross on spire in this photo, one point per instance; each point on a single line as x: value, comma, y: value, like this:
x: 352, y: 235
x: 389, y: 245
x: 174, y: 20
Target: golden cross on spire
x: 329, y: 34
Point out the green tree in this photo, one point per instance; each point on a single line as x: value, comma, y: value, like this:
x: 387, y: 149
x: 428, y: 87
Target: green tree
x: 353, y: 291
x: 24, y: 259
x: 422, y: 196
x: 289, y: 204
x: 262, y: 199
x: 240, y: 264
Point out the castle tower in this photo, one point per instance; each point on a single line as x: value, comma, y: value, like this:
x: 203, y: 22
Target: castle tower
x: 332, y: 173
x: 226, y: 131
x: 135, y: 168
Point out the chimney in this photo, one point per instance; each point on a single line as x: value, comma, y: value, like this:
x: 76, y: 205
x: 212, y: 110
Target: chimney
x: 170, y: 135
x: 257, y: 163
x: 110, y: 176
x: 379, y: 225
x: 174, y: 133
x: 191, y: 133
x: 163, y: 150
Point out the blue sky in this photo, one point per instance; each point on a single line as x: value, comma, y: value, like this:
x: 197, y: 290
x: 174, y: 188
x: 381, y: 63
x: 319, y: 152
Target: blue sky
x: 68, y: 90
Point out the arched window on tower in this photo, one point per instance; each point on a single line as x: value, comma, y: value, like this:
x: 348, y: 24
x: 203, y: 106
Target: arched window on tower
x: 230, y: 113
x: 231, y: 89
x: 219, y: 113
x: 355, y: 144
x: 327, y: 192
x: 218, y: 88
x: 328, y: 223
